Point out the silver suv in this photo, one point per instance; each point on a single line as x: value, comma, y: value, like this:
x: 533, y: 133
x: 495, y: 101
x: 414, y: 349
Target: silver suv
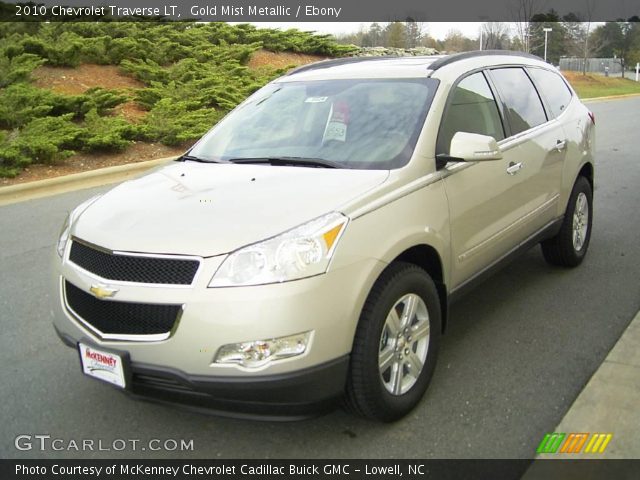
x: 306, y: 249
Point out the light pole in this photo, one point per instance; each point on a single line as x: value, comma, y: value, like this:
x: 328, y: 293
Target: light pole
x: 482, y: 17
x: 546, y: 32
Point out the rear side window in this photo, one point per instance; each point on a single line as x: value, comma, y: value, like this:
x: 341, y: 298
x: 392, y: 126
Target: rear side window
x: 521, y: 100
x: 472, y: 109
x: 553, y: 89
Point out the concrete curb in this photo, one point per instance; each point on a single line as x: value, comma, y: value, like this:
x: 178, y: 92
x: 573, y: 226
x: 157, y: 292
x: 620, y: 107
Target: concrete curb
x: 610, y: 97
x: 75, y: 181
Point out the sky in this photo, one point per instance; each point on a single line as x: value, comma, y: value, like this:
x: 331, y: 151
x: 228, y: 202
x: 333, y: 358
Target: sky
x: 437, y: 30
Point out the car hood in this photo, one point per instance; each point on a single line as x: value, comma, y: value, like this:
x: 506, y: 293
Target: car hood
x: 209, y: 209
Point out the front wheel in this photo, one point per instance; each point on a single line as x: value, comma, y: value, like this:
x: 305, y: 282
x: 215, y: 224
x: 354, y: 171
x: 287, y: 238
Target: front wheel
x: 569, y: 247
x: 396, y: 344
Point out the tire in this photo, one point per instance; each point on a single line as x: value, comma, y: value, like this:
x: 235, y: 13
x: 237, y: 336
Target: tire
x: 378, y: 392
x: 569, y: 247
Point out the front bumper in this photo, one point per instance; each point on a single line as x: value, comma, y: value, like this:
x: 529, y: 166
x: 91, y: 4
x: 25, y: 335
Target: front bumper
x: 181, y: 368
x: 289, y: 396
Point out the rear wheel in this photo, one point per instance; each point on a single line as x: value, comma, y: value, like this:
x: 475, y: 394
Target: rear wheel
x: 569, y: 247
x: 396, y: 344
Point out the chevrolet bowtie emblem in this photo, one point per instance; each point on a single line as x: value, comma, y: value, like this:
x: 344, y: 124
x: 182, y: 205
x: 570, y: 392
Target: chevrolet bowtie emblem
x: 102, y: 291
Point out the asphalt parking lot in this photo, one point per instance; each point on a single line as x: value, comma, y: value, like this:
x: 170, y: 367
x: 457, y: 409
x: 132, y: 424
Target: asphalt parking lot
x: 518, y: 349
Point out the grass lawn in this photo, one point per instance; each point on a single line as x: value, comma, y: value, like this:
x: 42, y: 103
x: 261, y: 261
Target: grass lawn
x: 593, y: 85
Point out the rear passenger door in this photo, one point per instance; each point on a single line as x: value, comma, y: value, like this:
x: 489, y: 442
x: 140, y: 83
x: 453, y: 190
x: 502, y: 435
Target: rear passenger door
x: 537, y: 140
x: 571, y: 119
x: 496, y: 205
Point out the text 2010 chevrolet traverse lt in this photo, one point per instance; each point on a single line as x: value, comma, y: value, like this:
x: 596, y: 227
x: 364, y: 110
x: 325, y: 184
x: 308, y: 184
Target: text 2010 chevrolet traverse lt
x: 306, y: 248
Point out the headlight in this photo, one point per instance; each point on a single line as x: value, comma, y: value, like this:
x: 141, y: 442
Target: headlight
x: 65, y: 232
x: 298, y: 253
x: 257, y: 353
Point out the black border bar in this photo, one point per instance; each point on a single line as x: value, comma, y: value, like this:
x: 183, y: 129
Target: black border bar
x: 314, y: 10
x: 320, y: 469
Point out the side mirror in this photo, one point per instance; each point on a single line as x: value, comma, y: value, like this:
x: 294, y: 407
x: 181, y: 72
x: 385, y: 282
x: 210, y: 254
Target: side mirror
x: 472, y: 147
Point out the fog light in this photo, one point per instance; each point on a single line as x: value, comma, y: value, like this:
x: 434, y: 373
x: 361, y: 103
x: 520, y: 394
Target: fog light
x: 257, y: 353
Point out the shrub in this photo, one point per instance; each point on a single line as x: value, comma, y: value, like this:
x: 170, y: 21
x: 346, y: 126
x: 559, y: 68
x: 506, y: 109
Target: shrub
x: 21, y: 102
x: 173, y: 122
x: 101, y: 100
x: 107, y: 133
x: 62, y: 51
x: 8, y: 157
x: 146, y: 71
x: 43, y: 140
x: 17, y: 68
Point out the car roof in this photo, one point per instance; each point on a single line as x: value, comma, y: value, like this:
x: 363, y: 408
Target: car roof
x: 406, y: 67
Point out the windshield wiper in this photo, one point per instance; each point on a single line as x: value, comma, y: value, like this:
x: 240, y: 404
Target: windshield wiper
x: 192, y: 158
x: 295, y: 161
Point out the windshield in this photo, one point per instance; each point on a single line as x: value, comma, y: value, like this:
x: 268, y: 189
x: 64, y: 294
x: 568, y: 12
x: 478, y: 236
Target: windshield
x: 360, y: 123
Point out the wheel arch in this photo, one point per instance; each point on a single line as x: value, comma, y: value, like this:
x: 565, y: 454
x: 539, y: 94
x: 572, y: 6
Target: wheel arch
x: 587, y: 171
x: 427, y: 257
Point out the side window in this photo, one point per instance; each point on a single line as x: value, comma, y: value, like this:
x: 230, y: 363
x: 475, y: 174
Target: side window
x: 554, y: 89
x: 472, y: 109
x: 521, y: 100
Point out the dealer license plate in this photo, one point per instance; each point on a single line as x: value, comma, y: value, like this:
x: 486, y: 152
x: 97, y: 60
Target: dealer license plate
x: 105, y: 366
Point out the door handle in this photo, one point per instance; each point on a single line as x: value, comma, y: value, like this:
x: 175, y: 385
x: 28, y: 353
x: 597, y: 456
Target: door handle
x: 514, y: 168
x: 560, y: 145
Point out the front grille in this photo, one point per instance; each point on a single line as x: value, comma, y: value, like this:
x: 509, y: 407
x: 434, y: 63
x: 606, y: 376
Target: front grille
x: 121, y: 318
x: 129, y: 268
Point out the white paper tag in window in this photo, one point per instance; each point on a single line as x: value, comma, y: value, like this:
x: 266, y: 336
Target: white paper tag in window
x: 316, y: 99
x: 338, y: 120
x: 336, y: 131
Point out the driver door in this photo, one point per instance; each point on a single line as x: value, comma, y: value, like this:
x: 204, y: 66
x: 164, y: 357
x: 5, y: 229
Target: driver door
x: 488, y: 203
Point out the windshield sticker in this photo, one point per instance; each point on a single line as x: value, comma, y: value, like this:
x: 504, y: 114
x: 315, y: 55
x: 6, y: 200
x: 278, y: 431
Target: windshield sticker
x: 336, y: 131
x: 338, y: 120
x: 316, y: 99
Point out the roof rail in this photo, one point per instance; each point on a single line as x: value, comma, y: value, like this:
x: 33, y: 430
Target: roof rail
x: 438, y: 62
x: 340, y: 61
x: 478, y: 53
